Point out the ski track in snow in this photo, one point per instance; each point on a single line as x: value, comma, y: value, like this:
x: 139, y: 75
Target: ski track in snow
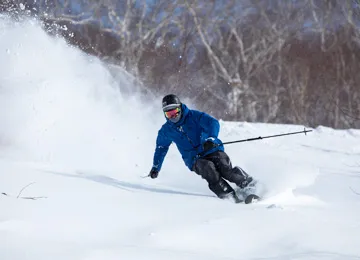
x: 84, y: 146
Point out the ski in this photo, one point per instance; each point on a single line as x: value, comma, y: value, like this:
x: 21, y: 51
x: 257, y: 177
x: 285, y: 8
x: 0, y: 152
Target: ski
x: 248, y: 199
x: 251, y: 198
x: 248, y: 195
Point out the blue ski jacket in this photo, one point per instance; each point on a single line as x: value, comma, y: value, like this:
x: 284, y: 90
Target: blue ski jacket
x: 189, y: 134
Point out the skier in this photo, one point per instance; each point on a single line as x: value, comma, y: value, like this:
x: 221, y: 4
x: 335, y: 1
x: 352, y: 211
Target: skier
x: 195, y: 134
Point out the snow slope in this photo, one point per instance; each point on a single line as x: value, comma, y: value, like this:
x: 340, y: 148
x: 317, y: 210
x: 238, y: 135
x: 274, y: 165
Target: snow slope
x: 70, y: 139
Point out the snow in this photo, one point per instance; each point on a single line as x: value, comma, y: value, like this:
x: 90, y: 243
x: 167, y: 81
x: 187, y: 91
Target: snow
x: 83, y: 147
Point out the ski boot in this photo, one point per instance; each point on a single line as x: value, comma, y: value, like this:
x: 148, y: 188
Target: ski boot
x: 223, y: 190
x: 247, y: 186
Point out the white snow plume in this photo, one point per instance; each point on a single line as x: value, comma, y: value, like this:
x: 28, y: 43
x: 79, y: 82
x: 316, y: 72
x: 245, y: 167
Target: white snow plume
x: 59, y: 105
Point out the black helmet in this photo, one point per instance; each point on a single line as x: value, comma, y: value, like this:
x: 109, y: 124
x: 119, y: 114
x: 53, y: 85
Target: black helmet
x: 171, y: 106
x: 170, y: 101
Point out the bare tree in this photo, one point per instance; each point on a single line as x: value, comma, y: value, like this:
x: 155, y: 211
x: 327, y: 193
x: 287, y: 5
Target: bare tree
x: 259, y: 60
x: 244, y: 51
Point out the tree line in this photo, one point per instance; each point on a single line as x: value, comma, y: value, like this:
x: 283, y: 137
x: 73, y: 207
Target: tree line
x: 272, y: 61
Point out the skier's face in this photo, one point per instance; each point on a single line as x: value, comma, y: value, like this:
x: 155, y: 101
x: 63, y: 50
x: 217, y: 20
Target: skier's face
x: 173, y: 115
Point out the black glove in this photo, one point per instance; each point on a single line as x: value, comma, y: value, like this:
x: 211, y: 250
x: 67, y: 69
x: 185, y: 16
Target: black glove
x: 153, y: 173
x: 209, y: 144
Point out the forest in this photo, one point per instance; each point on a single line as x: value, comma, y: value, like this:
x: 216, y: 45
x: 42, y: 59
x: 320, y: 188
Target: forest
x: 271, y: 61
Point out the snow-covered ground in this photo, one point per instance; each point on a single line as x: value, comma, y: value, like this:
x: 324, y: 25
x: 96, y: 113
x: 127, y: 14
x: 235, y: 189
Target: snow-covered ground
x: 71, y: 140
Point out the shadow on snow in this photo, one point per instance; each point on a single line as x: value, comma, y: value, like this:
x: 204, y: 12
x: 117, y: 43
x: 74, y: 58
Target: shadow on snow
x: 128, y: 186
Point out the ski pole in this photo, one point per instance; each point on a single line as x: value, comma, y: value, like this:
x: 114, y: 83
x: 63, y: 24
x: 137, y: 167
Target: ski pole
x: 270, y: 136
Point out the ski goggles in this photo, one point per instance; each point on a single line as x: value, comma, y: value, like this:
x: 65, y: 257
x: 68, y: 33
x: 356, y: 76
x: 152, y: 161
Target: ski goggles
x: 172, y: 113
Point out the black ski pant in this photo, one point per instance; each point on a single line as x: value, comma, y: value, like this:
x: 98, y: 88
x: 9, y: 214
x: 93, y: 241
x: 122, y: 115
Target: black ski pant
x: 215, y: 168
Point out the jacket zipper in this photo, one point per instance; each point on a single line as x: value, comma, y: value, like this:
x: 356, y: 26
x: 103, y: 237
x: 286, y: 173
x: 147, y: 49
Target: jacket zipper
x: 181, y: 130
